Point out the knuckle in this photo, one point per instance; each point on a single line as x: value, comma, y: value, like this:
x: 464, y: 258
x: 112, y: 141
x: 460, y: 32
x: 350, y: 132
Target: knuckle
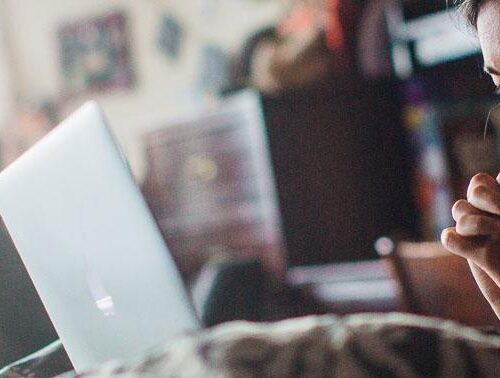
x: 463, y: 220
x: 480, y: 178
x: 479, y: 192
x: 446, y: 238
x: 468, y: 224
x: 460, y: 206
x: 461, y: 223
x: 480, y: 223
x: 449, y: 240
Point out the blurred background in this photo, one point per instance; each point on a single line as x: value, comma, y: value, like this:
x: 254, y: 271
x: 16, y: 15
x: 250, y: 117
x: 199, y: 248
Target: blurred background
x: 299, y: 137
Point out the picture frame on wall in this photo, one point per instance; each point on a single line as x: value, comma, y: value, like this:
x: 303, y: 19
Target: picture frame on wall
x: 170, y: 37
x: 95, y: 54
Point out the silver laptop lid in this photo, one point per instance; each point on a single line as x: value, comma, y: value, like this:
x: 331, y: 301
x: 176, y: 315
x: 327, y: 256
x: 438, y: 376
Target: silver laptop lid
x: 90, y: 244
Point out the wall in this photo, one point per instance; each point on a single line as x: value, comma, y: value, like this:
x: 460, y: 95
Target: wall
x: 165, y: 90
x: 6, y: 90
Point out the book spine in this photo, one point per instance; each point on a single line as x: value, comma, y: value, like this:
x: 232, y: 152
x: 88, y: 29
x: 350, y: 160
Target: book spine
x: 432, y: 187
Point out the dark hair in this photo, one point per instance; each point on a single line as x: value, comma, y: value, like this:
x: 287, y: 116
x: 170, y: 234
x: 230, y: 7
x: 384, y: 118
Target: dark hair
x: 470, y: 9
x: 250, y: 45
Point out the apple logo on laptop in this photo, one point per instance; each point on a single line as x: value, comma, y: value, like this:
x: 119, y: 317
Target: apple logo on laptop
x: 102, y: 299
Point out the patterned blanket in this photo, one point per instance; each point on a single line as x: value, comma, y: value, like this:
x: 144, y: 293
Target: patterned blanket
x: 390, y: 345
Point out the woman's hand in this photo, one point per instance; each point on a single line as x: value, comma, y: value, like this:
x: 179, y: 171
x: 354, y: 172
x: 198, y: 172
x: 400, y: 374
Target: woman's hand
x: 476, y: 235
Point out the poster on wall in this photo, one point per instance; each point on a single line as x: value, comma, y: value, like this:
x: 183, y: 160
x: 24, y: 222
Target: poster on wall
x: 170, y: 36
x: 95, y: 54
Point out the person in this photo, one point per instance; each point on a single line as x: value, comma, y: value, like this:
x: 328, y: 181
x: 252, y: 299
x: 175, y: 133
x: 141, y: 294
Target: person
x: 476, y: 235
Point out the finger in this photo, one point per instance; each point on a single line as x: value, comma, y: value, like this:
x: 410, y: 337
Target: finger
x: 461, y: 208
x: 465, y: 247
x: 484, y: 194
x: 488, y: 287
x: 475, y: 225
x: 480, y: 179
x: 483, y: 251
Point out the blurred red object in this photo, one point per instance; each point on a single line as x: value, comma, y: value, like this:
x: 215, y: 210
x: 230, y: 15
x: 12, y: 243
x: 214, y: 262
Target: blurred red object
x: 301, y: 17
x: 341, y: 20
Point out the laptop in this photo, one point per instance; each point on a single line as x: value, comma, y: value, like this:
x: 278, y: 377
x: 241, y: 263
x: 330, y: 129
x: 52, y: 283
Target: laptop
x: 91, y: 246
